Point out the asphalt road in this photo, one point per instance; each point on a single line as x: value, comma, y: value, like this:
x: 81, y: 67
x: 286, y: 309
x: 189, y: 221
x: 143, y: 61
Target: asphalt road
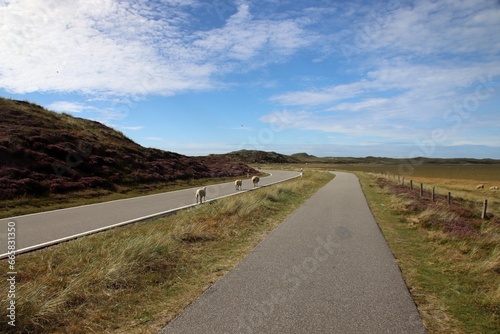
x: 326, y: 269
x: 42, y: 229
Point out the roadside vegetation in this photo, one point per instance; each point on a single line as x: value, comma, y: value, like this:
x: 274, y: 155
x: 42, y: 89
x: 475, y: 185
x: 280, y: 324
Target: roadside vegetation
x: 449, y: 256
x: 135, y: 279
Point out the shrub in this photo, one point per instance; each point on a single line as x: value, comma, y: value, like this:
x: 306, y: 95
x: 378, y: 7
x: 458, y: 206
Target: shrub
x: 59, y: 186
x: 96, y: 182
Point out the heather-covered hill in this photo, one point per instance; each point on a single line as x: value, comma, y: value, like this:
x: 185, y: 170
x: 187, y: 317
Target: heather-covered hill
x: 260, y: 157
x: 43, y: 152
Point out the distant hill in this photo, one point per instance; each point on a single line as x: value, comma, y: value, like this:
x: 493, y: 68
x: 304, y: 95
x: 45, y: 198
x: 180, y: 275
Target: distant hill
x: 304, y: 157
x: 258, y: 157
x: 44, y: 152
x: 263, y: 157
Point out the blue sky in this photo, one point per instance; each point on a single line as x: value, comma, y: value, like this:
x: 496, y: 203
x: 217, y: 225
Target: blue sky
x: 390, y: 78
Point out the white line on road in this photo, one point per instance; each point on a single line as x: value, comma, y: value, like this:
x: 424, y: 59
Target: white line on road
x: 131, y: 221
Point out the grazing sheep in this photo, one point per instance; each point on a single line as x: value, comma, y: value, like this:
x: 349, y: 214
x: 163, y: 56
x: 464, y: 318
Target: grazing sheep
x: 201, y: 194
x: 480, y: 186
x: 238, y: 184
x: 494, y: 188
x: 255, y: 180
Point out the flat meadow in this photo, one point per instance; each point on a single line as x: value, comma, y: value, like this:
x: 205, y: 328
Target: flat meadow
x: 449, y: 256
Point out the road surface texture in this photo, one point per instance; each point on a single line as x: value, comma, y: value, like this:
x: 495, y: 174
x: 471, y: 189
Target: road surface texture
x: 47, y: 228
x: 326, y: 269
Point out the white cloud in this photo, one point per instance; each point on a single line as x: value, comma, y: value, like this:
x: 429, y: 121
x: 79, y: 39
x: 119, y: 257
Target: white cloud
x: 129, y: 47
x: 362, y: 105
x: 238, y: 128
x: 424, y: 28
x: 200, y: 148
x: 404, y: 101
x: 245, y: 42
x: 131, y: 128
x: 360, y: 125
x: 70, y: 107
x: 323, y: 95
x: 106, y: 115
x: 401, y: 79
x: 436, y: 27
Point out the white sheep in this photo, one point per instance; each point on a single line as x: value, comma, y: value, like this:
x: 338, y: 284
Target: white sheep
x: 238, y: 184
x: 480, y: 186
x: 255, y: 180
x: 201, y: 194
x: 494, y: 188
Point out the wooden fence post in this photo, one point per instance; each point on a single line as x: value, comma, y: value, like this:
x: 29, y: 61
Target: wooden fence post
x: 485, y: 207
x: 411, y: 184
x: 421, y: 190
x: 449, y: 198
x: 403, y: 182
x: 433, y: 193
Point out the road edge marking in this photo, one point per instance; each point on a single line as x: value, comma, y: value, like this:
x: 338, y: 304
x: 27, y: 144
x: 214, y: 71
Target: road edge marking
x: 131, y: 221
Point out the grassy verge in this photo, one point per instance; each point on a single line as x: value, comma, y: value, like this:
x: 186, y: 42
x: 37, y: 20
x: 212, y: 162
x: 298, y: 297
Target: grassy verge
x: 450, y: 259
x: 136, y: 278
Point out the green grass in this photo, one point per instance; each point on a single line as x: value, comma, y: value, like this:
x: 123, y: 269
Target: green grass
x: 454, y: 279
x: 135, y: 279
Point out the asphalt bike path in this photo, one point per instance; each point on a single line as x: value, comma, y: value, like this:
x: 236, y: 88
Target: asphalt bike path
x: 326, y: 269
x: 40, y: 230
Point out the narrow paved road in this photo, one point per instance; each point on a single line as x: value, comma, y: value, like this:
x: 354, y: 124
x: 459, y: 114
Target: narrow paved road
x: 326, y: 269
x: 47, y: 228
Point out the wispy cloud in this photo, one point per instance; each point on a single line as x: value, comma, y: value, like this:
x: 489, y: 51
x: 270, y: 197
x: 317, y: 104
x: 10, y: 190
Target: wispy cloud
x: 91, y: 47
x: 361, y: 105
x: 440, y: 27
x: 418, y: 66
x: 131, y: 128
x: 131, y: 47
x: 69, y: 107
x: 106, y: 115
x: 238, y: 128
x: 418, y: 100
x: 402, y: 78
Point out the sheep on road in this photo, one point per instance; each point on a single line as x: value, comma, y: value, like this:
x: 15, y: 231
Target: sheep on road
x: 201, y: 194
x: 255, y: 181
x: 238, y: 184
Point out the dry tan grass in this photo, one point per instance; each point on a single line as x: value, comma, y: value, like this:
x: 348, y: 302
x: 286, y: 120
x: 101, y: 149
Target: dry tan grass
x: 454, y: 278
x: 465, y: 188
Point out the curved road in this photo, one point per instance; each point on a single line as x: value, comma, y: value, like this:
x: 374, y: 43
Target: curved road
x: 326, y: 269
x: 48, y: 228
